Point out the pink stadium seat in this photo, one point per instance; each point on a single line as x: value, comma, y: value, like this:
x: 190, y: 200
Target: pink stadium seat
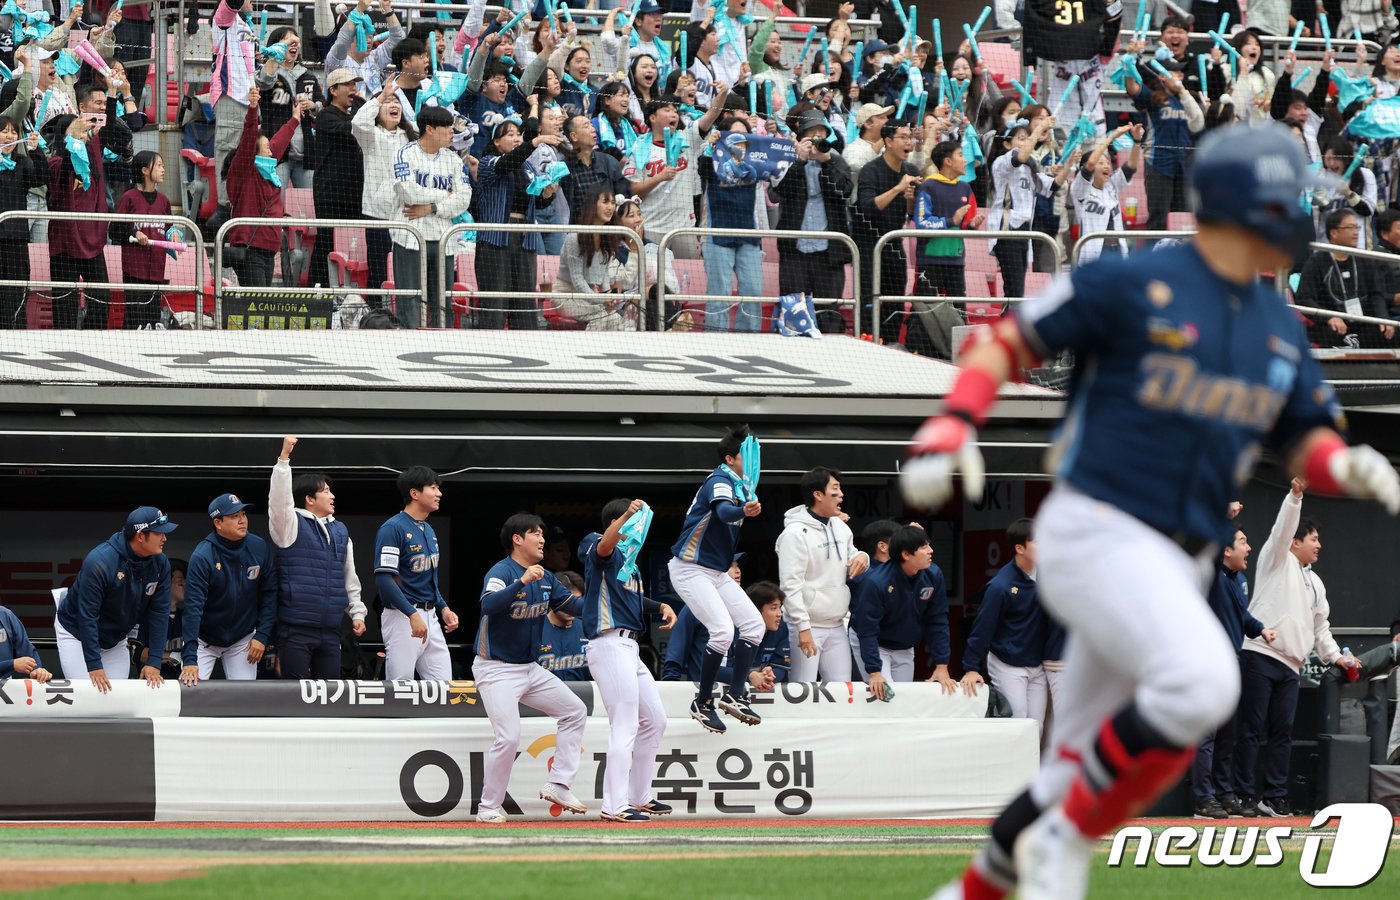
x: 345, y: 272
x: 1181, y: 221
x: 1003, y: 60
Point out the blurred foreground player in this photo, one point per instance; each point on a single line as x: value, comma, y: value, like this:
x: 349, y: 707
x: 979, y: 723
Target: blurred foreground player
x: 1185, y: 364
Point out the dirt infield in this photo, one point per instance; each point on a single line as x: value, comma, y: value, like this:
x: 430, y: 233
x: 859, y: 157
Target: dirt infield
x: 58, y: 873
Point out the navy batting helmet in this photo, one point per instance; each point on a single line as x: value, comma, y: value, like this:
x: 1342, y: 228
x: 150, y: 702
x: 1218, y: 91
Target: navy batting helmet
x: 1254, y: 176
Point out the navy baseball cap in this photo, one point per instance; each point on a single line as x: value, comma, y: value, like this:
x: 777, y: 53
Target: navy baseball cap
x: 226, y: 505
x: 148, y: 518
x: 738, y: 559
x: 647, y: 7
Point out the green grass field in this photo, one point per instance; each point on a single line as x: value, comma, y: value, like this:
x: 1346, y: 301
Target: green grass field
x: 571, y: 860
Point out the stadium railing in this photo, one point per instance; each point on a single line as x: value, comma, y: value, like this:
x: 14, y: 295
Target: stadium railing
x: 687, y: 297
x: 220, y: 290
x: 450, y: 294
x: 916, y: 233
x: 192, y: 233
x: 1127, y: 236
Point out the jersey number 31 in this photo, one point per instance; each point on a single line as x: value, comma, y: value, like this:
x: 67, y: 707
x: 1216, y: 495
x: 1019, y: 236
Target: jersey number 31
x: 1069, y: 12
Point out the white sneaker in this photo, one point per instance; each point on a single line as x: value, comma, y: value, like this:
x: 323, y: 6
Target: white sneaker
x: 1052, y: 859
x: 557, y: 793
x: 491, y: 816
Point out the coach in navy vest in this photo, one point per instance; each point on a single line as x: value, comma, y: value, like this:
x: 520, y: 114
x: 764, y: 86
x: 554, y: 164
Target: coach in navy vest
x: 316, y: 568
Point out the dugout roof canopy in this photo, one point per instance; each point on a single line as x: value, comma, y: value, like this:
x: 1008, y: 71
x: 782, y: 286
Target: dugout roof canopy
x: 495, y: 404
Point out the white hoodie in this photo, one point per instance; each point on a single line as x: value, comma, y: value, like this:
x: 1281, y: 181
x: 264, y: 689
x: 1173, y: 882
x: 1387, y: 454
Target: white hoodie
x: 812, y: 560
x: 1290, y: 598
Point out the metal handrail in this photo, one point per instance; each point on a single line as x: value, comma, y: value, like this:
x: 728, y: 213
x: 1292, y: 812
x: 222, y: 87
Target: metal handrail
x: 854, y: 300
x: 314, y: 223
x: 195, y: 238
x: 877, y: 299
x: 1078, y: 246
x: 516, y: 228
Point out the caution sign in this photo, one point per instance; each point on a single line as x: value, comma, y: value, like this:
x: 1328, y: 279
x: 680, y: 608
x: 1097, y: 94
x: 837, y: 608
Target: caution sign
x: 258, y: 311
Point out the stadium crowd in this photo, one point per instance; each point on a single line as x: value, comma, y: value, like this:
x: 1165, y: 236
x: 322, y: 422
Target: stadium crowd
x: 733, y: 121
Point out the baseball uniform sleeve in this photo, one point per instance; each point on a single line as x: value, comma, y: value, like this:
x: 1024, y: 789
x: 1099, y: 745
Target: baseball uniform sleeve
x: 936, y: 632
x: 1310, y: 404
x: 89, y: 605
x: 268, y: 586
x: 870, y: 606
x: 984, y: 626
x: 158, y: 615
x: 192, y: 613
x: 1079, y: 311
x: 496, y: 592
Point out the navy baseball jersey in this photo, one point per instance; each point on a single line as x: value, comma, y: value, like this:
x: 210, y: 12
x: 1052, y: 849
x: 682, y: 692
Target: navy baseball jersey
x: 14, y: 643
x: 409, y: 549
x: 1179, y: 377
x: 897, y: 611
x: 1011, y: 622
x: 711, y: 527
x: 607, y: 602
x: 561, y: 651
x: 513, y: 614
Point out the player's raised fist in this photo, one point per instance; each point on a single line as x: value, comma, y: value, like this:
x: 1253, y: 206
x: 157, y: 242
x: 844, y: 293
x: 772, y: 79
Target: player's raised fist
x: 289, y: 444
x: 534, y: 573
x: 943, y: 446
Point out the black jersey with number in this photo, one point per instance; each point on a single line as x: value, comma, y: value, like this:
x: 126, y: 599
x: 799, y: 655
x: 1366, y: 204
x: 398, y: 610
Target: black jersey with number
x: 1071, y: 29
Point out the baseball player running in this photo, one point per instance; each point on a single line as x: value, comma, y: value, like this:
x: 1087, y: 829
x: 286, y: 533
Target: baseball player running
x: 516, y: 596
x: 407, y: 579
x: 230, y: 598
x: 1185, y: 363
x: 699, y: 569
x: 614, y: 612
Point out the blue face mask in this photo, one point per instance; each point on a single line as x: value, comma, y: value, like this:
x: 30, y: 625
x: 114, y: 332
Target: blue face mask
x: 82, y: 167
x: 267, y: 168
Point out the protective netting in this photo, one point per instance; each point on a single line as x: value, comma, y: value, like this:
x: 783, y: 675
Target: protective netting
x: 756, y: 170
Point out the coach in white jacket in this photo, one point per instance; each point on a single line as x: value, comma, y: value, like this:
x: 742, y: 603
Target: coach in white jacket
x: 816, y: 559
x: 430, y: 181
x: 1288, y: 594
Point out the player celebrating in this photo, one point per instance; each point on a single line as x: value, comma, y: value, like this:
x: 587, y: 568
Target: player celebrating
x: 517, y: 595
x: 613, y: 616
x: 699, y: 572
x: 407, y: 579
x: 1185, y: 363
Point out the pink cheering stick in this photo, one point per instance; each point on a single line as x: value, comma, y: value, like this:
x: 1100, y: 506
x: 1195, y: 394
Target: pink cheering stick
x: 88, y: 54
x: 176, y: 246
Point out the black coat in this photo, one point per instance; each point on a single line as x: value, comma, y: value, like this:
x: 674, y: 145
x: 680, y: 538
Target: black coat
x: 339, y: 183
x: 791, y: 194
x: 30, y: 171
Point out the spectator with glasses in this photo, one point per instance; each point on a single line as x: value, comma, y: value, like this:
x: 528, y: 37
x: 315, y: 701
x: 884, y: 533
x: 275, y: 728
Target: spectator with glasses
x: 1340, y: 282
x: 884, y: 203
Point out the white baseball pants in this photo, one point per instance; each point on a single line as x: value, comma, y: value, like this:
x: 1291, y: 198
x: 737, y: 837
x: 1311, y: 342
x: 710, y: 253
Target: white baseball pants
x: 1024, y: 687
x: 636, y: 719
x: 832, y: 661
x: 116, y: 661
x: 1157, y: 644
x: 405, y: 654
x: 503, y: 687
x: 235, y: 657
x: 718, y: 602
x: 895, y: 665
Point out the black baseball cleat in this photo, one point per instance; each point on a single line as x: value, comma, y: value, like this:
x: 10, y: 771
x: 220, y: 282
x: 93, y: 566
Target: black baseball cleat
x: 627, y: 815
x: 1211, y: 809
x: 739, y: 708
x: 1274, y: 807
x: 656, y: 808
x: 703, y: 711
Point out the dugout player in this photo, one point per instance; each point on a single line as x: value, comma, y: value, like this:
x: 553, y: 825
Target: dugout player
x: 1185, y: 364
x: 699, y: 569
x: 816, y: 560
x: 317, y: 582
x: 18, y: 656
x: 406, y: 574
x: 230, y: 598
x: 515, y: 597
x: 614, y: 615
x: 123, y: 581
x: 1010, y: 631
